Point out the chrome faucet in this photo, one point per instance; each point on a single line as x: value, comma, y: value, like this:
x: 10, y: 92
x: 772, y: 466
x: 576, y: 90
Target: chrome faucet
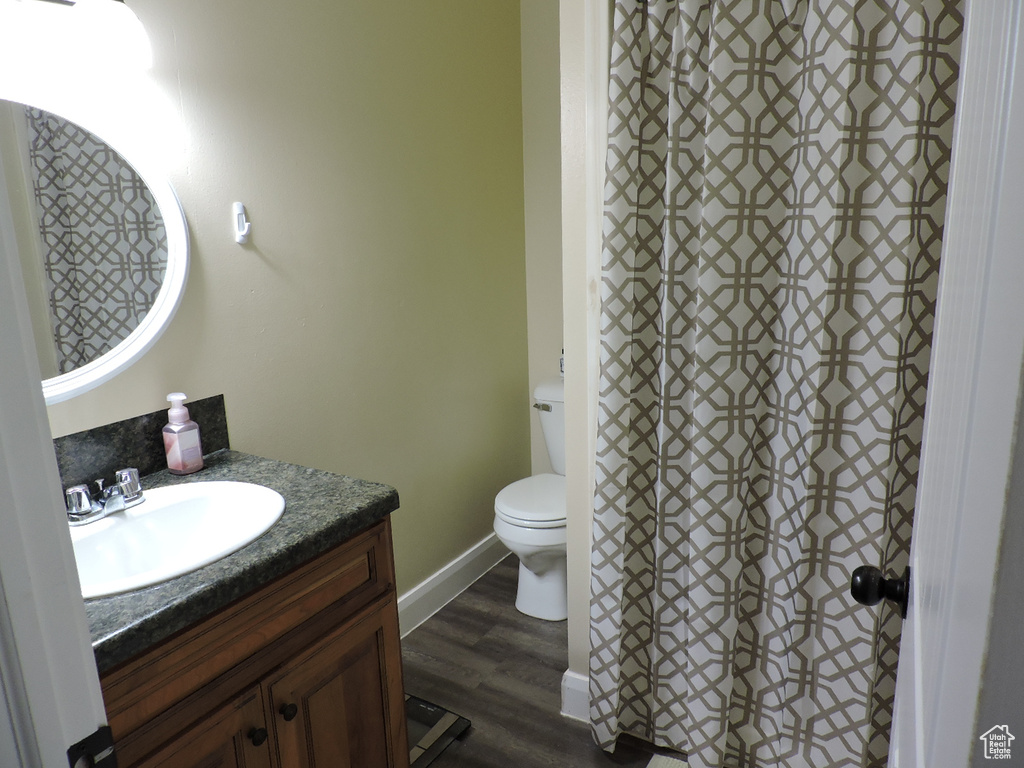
x: 124, y: 494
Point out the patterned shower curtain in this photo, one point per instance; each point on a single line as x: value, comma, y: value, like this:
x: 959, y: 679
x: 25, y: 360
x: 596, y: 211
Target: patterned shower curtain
x: 104, y: 242
x: 776, y: 187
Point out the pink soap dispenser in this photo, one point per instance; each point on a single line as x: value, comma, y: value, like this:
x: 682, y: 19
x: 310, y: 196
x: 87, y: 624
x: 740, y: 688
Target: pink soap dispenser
x: 181, y: 438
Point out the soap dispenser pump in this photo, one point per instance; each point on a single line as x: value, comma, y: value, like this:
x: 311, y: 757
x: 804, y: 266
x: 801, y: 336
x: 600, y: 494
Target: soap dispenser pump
x: 181, y: 438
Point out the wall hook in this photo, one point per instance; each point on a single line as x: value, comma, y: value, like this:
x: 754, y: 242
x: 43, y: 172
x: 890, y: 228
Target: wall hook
x: 242, y: 224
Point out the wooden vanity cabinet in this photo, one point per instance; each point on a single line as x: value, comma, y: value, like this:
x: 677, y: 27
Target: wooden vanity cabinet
x: 304, y: 671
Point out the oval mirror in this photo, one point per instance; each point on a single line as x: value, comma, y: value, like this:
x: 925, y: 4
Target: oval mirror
x: 104, y: 251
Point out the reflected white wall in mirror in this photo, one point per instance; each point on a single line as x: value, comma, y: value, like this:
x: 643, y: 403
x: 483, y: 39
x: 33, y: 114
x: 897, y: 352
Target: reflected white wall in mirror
x: 112, y: 105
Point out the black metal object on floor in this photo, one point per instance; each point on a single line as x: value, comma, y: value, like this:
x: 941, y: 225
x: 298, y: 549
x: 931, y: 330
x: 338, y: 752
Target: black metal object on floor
x: 431, y: 729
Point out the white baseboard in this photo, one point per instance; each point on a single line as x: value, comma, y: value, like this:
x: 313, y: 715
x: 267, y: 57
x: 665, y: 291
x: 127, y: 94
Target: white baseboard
x: 576, y: 696
x: 436, y: 591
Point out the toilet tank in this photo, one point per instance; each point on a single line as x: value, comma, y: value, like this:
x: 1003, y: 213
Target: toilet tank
x: 549, y: 399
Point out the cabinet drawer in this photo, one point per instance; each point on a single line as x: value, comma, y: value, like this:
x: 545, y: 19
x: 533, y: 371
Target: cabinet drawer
x: 224, y: 738
x: 331, y: 587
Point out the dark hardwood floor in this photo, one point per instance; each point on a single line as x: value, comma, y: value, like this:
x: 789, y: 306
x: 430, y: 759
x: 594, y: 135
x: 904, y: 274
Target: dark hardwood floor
x: 482, y: 659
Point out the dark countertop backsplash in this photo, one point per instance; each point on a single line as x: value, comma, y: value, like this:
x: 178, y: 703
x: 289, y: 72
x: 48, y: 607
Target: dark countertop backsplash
x: 87, y: 456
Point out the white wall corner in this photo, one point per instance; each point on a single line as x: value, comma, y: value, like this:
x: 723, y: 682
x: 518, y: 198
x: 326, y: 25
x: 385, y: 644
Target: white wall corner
x: 437, y: 590
x: 576, y: 696
x: 584, y: 48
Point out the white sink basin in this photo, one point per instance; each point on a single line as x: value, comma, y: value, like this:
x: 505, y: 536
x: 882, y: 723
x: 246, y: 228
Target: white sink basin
x: 177, y: 529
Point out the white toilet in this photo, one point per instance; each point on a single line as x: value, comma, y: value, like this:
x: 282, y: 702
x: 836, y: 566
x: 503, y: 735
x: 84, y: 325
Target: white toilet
x: 529, y: 517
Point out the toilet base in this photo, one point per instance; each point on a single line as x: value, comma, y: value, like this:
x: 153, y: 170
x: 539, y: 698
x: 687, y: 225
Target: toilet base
x: 543, y: 595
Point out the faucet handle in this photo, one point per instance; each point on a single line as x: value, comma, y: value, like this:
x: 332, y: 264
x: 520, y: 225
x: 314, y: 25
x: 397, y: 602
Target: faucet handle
x: 128, y: 482
x: 78, y: 500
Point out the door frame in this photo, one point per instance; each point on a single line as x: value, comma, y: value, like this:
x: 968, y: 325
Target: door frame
x: 974, y: 393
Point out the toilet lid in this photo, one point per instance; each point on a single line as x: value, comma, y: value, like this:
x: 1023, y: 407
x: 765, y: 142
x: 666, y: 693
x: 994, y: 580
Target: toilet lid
x: 533, y: 502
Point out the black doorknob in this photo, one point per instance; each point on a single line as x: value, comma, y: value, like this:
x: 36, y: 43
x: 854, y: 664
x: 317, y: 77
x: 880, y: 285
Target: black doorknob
x: 288, y: 711
x: 869, y: 587
x: 258, y: 736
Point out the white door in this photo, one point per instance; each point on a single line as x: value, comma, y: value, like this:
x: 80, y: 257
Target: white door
x: 973, y: 393
x: 49, y: 687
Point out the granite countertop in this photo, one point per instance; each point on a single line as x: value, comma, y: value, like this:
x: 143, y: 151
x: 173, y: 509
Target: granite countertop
x: 321, y: 510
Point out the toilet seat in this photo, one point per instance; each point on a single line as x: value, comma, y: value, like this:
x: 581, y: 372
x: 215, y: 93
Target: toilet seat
x: 533, y: 502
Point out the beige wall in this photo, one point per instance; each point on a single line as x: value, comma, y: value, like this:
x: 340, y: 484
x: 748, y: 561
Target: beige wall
x: 542, y: 185
x: 375, y: 325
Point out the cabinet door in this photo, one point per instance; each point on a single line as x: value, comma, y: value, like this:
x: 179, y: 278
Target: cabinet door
x: 341, y: 704
x: 233, y: 736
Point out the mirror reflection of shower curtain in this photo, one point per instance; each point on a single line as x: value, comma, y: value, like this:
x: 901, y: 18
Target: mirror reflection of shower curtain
x: 104, y: 244
x: 775, y: 194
